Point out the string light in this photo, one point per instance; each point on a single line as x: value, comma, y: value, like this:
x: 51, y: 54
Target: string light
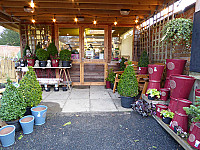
x: 115, y: 23
x: 33, y: 20
x: 95, y: 22
x: 32, y: 4
x: 54, y: 19
x: 137, y: 20
x: 75, y: 19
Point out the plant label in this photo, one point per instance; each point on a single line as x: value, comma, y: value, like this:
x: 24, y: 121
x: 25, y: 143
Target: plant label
x: 139, y: 68
x: 197, y: 143
x: 155, y: 69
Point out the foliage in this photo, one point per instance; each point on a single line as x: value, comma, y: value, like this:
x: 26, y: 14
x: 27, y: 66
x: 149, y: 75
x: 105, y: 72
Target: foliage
x: 153, y: 92
x: 30, y: 88
x: 65, y: 55
x: 32, y: 56
x: 38, y: 46
x: 55, y: 57
x: 9, y: 37
x: 122, y: 65
x: 128, y: 85
x: 166, y: 114
x: 111, y: 75
x: 194, y: 110
x: 13, y: 105
x: 52, y: 49
x: 24, y: 51
x: 42, y: 54
x: 144, y: 60
x: 178, y: 31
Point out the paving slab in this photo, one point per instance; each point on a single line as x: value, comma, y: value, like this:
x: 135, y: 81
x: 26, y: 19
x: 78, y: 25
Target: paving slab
x: 99, y: 95
x: 79, y: 95
x: 105, y: 105
x: 117, y: 103
x: 45, y: 94
x: 58, y: 95
x: 76, y: 105
x: 114, y: 95
x: 61, y: 102
x: 97, y: 88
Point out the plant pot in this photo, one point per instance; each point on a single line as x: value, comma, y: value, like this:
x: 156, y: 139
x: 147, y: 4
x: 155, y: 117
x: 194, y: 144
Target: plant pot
x: 164, y: 94
x: 22, y: 63
x: 39, y: 112
x: 64, y: 88
x: 55, y: 62
x: 112, y: 85
x: 47, y: 89
x: 7, y: 135
x: 66, y: 63
x: 173, y: 104
x: 182, y: 103
x: 56, y: 89
x: 28, y: 111
x: 127, y: 101
x: 27, y: 124
x: 194, y: 138
x: 197, y: 92
x: 155, y: 71
x: 166, y: 120
x: 159, y: 108
x: 153, y: 85
x: 142, y: 70
x: 108, y: 85
x: 31, y: 62
x: 43, y: 63
x: 181, y: 86
x: 151, y: 98
x: 16, y: 124
x: 167, y: 83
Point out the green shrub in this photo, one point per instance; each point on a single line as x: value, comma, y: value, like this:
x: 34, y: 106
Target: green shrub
x: 42, y: 54
x: 30, y: 88
x: 13, y: 104
x: 128, y: 85
x: 111, y: 76
x: 144, y: 60
x: 122, y: 65
x: 65, y: 55
x: 52, y: 49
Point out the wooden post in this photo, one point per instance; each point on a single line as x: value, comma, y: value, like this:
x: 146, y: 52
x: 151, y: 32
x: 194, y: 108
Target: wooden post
x: 197, y: 7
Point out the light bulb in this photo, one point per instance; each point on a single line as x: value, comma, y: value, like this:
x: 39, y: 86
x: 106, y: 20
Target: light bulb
x: 115, y: 23
x: 54, y: 20
x: 75, y: 19
x: 136, y: 21
x: 94, y: 22
x: 33, y: 20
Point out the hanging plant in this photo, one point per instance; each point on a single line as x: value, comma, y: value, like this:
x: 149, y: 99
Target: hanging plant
x: 178, y: 31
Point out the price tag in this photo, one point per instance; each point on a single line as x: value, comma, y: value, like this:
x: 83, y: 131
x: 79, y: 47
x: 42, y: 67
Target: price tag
x: 155, y: 69
x: 197, y: 143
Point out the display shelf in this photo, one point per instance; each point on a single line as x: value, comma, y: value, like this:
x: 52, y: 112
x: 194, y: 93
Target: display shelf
x: 144, y: 97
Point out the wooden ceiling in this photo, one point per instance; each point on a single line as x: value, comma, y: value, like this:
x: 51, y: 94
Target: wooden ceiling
x: 105, y: 11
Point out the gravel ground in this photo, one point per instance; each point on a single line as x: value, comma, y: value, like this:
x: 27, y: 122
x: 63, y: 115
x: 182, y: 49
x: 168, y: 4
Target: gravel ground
x: 97, y: 131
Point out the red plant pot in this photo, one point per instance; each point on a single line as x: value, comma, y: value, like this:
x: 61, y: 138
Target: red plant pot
x: 155, y: 71
x: 142, y: 70
x: 194, y: 138
x: 153, y: 85
x: 172, y: 104
x: 182, y: 103
x: 31, y: 62
x: 197, y: 92
x: 175, y: 66
x: 55, y: 62
x: 164, y: 94
x: 108, y: 85
x: 159, y: 108
x: 192, y: 127
x: 167, y: 83
x: 179, y: 120
x: 181, y: 85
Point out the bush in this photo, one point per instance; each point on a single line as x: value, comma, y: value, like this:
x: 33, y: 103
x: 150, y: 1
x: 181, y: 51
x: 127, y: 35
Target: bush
x: 30, y: 88
x: 42, y: 54
x: 65, y: 55
x: 111, y: 76
x: 122, y: 65
x: 24, y: 52
x: 13, y: 104
x: 52, y: 49
x: 128, y: 85
x: 144, y: 60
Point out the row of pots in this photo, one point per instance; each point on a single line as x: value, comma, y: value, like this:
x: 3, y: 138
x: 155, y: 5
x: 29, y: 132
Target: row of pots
x: 7, y: 133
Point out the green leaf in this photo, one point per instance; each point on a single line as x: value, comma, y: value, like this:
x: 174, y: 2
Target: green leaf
x: 20, y: 137
x: 68, y: 123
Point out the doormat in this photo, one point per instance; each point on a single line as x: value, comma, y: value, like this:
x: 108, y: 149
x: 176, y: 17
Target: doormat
x: 81, y: 87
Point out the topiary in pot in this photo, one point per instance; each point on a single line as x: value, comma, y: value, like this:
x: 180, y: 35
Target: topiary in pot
x: 128, y: 86
x: 42, y: 55
x: 110, y: 79
x: 52, y: 49
x: 24, y: 51
x: 143, y: 63
x: 65, y: 56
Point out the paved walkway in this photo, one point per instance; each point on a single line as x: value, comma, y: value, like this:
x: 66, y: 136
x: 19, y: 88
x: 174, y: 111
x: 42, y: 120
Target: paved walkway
x: 88, y: 99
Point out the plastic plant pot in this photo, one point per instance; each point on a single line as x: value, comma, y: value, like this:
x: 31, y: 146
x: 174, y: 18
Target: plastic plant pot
x: 64, y: 88
x: 194, y: 138
x: 166, y: 120
x: 127, y: 101
x: 164, y: 94
x: 173, y: 104
x: 7, y: 135
x: 182, y: 103
x: 27, y: 124
x: 159, y: 108
x: 39, y: 112
x: 108, y: 86
x: 155, y: 71
x: 151, y: 98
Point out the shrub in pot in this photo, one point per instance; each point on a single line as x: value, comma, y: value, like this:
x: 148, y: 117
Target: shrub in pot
x: 13, y: 105
x: 110, y: 79
x: 55, y: 60
x: 31, y: 90
x: 53, y: 53
x: 42, y: 55
x: 153, y: 94
x: 167, y: 116
x: 31, y: 60
x: 65, y: 56
x: 128, y: 86
x: 143, y: 63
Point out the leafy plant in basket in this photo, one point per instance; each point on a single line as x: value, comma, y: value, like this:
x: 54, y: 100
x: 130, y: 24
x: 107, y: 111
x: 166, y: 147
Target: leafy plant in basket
x: 153, y: 93
x: 167, y: 116
x: 52, y: 49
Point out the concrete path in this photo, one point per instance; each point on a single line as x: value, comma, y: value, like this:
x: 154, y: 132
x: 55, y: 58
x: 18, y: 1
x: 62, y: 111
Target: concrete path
x: 87, y: 99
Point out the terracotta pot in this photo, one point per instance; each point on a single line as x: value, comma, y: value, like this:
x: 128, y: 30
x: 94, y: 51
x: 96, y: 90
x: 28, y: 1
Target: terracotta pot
x: 159, y: 108
x: 172, y: 104
x: 155, y: 71
x: 108, y: 86
x: 182, y: 103
x: 194, y: 138
x: 181, y: 85
x: 142, y: 70
x: 179, y: 120
x: 55, y: 62
x: 164, y: 94
x: 31, y: 62
x: 153, y: 85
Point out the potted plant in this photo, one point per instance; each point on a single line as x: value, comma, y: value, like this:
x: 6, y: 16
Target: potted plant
x: 53, y: 53
x: 167, y: 116
x: 55, y: 60
x: 31, y: 60
x: 153, y: 94
x: 143, y: 63
x: 13, y: 105
x: 65, y: 56
x: 7, y: 135
x: 42, y: 55
x: 31, y: 89
x: 128, y: 86
x: 110, y: 79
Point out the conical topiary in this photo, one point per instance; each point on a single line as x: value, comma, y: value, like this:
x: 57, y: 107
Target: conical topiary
x: 144, y: 60
x: 30, y: 88
x: 26, y: 47
x: 13, y: 104
x: 128, y: 85
x: 52, y: 49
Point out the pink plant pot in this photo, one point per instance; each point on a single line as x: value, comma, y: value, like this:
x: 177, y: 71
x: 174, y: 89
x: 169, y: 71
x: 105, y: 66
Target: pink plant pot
x: 108, y: 85
x: 167, y: 83
x: 159, y: 108
x: 31, y: 62
x: 182, y: 103
x: 164, y: 94
x: 172, y: 104
x: 197, y: 92
x: 55, y: 62
x: 155, y: 71
x: 181, y: 85
x: 153, y: 85
x: 142, y: 70
x: 194, y: 138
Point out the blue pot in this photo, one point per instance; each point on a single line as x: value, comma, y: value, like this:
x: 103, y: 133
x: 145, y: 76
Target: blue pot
x: 40, y: 115
x: 7, y: 138
x: 27, y: 124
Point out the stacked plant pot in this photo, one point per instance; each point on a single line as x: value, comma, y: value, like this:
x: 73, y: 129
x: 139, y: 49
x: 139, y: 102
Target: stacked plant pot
x: 155, y: 75
x: 174, y: 66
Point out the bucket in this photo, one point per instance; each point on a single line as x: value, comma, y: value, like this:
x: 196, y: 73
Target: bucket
x: 172, y: 104
x: 164, y: 94
x: 159, y: 108
x: 27, y: 124
x: 167, y: 83
x: 153, y: 85
x: 142, y: 70
x: 194, y: 138
x: 182, y: 103
x: 7, y: 135
x: 179, y: 120
x: 155, y: 72
x: 181, y: 85
x: 175, y: 66
x: 39, y: 112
